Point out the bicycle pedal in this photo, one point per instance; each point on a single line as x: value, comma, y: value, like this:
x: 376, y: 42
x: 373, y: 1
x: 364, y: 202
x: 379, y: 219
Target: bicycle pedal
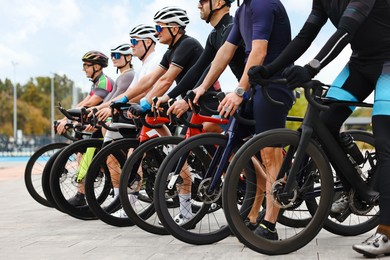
x: 342, y: 216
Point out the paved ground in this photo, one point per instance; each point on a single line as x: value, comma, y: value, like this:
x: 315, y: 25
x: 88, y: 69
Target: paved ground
x: 31, y: 231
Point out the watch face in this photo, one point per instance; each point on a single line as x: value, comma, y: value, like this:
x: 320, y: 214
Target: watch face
x: 240, y: 91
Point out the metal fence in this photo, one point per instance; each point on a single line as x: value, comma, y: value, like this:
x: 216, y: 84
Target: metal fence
x: 26, y: 146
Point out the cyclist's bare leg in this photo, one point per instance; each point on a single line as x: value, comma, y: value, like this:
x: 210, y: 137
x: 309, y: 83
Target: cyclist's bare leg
x: 272, y: 160
x: 211, y: 127
x: 260, y: 189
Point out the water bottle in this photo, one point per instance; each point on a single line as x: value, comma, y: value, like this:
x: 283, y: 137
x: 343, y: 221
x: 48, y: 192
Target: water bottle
x: 351, y: 148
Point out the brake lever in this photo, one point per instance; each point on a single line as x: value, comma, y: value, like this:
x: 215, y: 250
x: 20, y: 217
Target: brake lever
x: 154, y: 103
x: 170, y: 103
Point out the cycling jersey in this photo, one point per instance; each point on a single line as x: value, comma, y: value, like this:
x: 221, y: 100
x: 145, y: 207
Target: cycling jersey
x: 102, y: 85
x: 183, y: 54
x: 265, y: 20
x: 121, y: 84
x: 149, y: 64
x: 214, y: 41
x: 261, y: 20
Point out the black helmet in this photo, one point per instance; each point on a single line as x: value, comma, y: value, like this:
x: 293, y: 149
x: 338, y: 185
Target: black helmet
x: 96, y: 57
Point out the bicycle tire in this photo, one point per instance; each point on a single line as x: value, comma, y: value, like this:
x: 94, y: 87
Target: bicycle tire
x: 46, y: 179
x: 320, y: 180
x: 150, y: 154
x: 209, y: 225
x: 102, y: 201
x: 63, y: 174
x: 34, y: 170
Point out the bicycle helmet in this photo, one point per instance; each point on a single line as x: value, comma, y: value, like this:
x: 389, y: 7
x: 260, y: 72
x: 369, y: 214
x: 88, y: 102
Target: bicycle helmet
x: 229, y: 2
x: 124, y: 49
x: 96, y: 57
x: 144, y: 31
x: 172, y: 14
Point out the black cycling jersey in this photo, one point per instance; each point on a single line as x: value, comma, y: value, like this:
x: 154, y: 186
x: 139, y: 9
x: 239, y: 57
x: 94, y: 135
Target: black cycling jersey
x: 183, y: 54
x: 215, y: 40
x: 365, y: 24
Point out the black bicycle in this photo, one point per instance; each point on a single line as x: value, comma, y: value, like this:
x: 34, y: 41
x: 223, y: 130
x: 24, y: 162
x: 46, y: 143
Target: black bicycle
x: 314, y: 165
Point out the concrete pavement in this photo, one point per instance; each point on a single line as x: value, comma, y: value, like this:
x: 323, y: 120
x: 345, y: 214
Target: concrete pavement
x: 29, y: 230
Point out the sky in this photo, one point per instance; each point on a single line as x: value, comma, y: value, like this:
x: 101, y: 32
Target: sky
x: 39, y: 38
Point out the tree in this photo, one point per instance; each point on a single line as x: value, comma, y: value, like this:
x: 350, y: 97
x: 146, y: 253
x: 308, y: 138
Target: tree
x: 34, y: 103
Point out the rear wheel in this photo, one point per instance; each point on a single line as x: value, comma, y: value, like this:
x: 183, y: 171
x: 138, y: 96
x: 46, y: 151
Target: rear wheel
x: 34, y: 170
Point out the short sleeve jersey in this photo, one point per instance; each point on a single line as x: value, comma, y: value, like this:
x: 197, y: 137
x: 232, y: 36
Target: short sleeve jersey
x: 215, y: 40
x: 121, y: 84
x: 148, y: 65
x: 101, y: 86
x: 261, y: 20
x: 183, y: 54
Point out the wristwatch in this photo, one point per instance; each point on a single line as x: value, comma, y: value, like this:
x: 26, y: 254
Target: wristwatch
x: 315, y: 64
x: 239, y: 91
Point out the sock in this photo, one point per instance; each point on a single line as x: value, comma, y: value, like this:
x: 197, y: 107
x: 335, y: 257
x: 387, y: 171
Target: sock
x: 133, y: 197
x: 269, y: 225
x: 383, y: 229
x: 185, y: 205
x: 116, y: 192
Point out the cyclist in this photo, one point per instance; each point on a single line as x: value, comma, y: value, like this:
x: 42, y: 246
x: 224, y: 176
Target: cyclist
x: 102, y: 85
x: 365, y: 25
x: 217, y: 14
x: 264, y: 27
x: 93, y: 64
x: 121, y: 57
x: 143, y: 41
x: 182, y: 54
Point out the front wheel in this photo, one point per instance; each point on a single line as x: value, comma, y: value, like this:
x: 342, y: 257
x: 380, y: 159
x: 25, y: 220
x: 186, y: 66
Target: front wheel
x: 187, y: 203
x: 313, y: 181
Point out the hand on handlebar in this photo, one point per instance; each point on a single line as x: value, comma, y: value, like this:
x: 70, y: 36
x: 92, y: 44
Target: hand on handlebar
x: 178, y: 108
x: 229, y: 104
x: 136, y: 110
x: 199, y: 91
x: 161, y: 100
x: 257, y: 75
x: 297, y: 75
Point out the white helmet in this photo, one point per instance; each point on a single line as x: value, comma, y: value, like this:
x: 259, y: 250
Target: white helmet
x: 172, y: 14
x: 124, y: 49
x: 144, y: 31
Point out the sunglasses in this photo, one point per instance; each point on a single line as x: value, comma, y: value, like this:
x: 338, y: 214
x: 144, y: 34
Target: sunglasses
x: 135, y: 41
x: 159, y: 28
x: 116, y: 55
x: 85, y: 65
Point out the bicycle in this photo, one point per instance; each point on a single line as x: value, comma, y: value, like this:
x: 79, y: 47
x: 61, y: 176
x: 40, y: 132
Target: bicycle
x: 108, y: 163
x: 305, y: 175
x: 70, y: 167
x: 146, y: 160
x: 42, y: 159
x: 208, y: 225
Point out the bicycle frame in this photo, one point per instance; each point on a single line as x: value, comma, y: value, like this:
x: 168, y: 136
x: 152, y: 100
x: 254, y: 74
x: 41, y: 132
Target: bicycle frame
x: 313, y: 126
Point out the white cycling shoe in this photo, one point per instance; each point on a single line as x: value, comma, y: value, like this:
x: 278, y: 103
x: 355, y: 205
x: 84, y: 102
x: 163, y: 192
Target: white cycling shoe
x: 375, y: 245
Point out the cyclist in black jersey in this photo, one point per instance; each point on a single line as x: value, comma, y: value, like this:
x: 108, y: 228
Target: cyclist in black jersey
x: 217, y: 14
x: 365, y: 25
x: 182, y: 54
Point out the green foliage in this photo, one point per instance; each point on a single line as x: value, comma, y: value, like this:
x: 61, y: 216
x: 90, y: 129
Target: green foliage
x: 33, y: 103
x: 297, y: 110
